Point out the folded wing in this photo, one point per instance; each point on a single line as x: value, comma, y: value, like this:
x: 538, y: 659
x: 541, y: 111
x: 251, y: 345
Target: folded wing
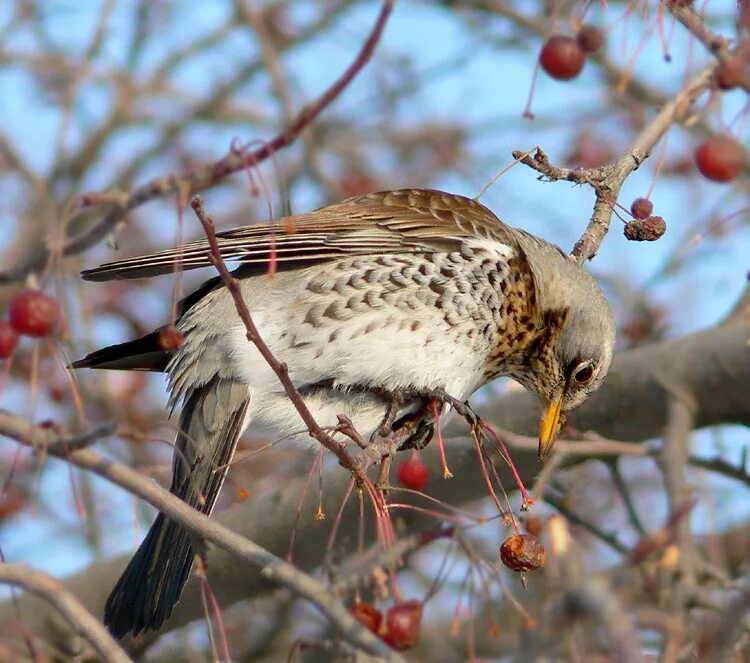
x: 406, y: 221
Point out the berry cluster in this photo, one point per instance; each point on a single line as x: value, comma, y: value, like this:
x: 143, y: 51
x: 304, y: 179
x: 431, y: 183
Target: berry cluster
x: 401, y: 626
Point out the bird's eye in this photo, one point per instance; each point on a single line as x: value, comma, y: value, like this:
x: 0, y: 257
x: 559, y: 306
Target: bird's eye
x: 583, y: 373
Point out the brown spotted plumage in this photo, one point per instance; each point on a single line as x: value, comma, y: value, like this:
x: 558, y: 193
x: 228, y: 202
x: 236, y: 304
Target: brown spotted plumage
x: 378, y: 303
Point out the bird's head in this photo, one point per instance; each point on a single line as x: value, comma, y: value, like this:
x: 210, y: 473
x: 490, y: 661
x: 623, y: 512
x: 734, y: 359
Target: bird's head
x: 576, y: 339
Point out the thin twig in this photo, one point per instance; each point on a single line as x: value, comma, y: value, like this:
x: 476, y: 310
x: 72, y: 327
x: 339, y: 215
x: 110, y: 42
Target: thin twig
x: 252, y: 334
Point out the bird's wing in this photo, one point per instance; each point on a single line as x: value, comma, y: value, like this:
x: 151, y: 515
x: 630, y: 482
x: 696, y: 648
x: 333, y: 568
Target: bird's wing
x: 405, y: 221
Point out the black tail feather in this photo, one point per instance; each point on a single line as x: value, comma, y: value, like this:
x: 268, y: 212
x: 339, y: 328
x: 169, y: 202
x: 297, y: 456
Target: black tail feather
x: 211, y: 423
x: 141, y: 354
x: 152, y: 582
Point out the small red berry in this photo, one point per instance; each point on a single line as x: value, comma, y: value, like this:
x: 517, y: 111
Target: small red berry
x: 522, y: 552
x: 590, y: 38
x: 8, y: 339
x: 170, y: 338
x: 562, y: 57
x: 402, y: 624
x: 32, y: 313
x: 367, y: 615
x: 641, y: 208
x: 413, y: 474
x: 719, y: 158
x: 729, y: 74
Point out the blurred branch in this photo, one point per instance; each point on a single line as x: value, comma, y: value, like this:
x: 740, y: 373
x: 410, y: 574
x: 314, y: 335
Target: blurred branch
x: 204, y: 176
x: 55, y: 594
x: 716, y: 44
x: 673, y: 461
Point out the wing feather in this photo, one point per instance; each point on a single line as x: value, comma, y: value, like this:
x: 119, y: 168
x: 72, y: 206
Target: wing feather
x: 405, y: 221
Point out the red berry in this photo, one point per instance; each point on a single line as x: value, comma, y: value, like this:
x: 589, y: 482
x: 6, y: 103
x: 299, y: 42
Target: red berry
x: 402, y: 623
x: 641, y: 208
x: 367, y: 615
x: 730, y: 74
x: 562, y: 57
x: 32, y: 313
x: 8, y: 339
x: 522, y: 552
x: 590, y: 38
x: 170, y: 338
x: 413, y: 474
x: 719, y: 158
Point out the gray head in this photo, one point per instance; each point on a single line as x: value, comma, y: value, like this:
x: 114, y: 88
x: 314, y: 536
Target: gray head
x: 581, y: 335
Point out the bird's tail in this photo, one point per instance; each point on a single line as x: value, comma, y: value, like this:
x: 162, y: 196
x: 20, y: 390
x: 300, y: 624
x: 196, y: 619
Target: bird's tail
x: 211, y: 423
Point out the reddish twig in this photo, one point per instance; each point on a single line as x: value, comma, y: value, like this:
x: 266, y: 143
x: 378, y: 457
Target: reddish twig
x: 252, y: 334
x: 357, y: 466
x: 447, y: 474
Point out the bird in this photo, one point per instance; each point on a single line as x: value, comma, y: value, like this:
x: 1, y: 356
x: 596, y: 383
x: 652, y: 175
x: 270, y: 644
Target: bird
x: 374, y: 303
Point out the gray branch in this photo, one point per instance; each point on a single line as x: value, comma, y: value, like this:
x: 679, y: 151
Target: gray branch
x: 712, y: 367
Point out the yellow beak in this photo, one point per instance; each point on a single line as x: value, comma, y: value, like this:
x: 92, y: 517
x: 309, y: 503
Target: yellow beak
x: 548, y: 427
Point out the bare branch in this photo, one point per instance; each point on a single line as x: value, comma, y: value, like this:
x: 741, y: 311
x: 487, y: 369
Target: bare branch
x: 272, y: 568
x: 80, y: 619
x: 607, y: 181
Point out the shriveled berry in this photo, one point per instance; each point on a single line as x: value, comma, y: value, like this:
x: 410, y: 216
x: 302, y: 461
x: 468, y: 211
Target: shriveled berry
x: 170, y: 338
x: 641, y: 208
x: 32, y: 313
x: 729, y: 74
x: 645, y: 230
x: 367, y: 615
x: 402, y: 624
x: 413, y: 474
x: 8, y: 339
x: 562, y: 57
x: 719, y: 158
x: 522, y: 552
x: 590, y: 38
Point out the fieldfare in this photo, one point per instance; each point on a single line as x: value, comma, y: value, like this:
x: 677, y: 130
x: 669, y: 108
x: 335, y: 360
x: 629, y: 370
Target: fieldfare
x: 382, y: 298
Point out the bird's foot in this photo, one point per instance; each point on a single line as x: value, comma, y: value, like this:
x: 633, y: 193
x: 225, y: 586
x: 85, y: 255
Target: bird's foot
x: 395, y: 401
x: 441, y: 396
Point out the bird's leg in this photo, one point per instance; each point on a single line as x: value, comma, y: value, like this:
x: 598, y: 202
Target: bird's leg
x: 415, y: 429
x: 395, y: 401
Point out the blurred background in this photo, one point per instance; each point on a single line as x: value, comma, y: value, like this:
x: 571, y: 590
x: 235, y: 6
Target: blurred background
x: 100, y: 97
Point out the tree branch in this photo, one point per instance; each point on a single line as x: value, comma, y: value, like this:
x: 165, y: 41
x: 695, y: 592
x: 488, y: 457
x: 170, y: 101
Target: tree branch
x: 271, y: 568
x: 55, y: 594
x: 712, y: 365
